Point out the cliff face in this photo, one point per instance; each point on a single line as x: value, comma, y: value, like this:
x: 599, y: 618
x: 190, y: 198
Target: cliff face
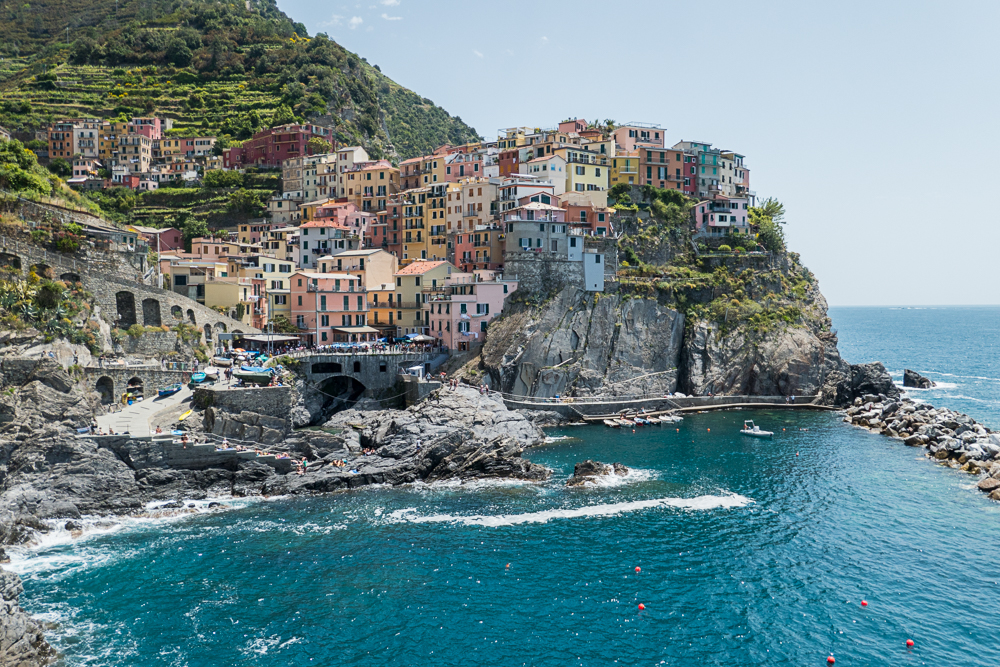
x: 583, y: 343
x: 774, y: 339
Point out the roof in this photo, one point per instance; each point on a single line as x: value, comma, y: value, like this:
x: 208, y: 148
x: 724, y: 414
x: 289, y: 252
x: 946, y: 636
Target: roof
x: 534, y: 205
x: 419, y: 267
x: 324, y: 222
x: 356, y: 253
x: 339, y: 276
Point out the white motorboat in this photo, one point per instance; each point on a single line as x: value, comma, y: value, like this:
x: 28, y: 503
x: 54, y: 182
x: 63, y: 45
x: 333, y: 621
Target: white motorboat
x: 754, y: 431
x: 671, y: 419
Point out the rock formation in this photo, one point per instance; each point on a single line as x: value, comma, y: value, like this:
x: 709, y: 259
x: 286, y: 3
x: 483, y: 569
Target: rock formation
x: 21, y: 640
x: 587, y: 471
x: 916, y: 380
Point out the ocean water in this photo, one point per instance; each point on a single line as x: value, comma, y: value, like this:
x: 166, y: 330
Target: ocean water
x: 751, y: 552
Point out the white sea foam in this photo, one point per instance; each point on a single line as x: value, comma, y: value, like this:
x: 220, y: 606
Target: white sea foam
x: 608, y: 509
x: 558, y: 438
x: 938, y: 386
x: 612, y: 480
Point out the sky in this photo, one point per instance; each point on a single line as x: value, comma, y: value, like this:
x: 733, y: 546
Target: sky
x: 863, y: 118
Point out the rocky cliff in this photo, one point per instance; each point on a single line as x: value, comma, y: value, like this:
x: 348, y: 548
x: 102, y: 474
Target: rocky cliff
x: 21, y: 640
x: 741, y: 329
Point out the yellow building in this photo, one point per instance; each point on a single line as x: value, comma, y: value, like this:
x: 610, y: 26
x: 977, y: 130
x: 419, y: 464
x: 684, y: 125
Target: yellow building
x: 435, y: 221
x: 625, y: 169
x: 584, y: 170
x: 410, y: 283
x: 413, y: 235
x: 277, y: 276
x: 369, y: 184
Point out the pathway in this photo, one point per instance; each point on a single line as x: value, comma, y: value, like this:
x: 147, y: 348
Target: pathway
x: 135, y: 419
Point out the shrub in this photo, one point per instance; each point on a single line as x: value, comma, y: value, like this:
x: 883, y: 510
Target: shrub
x: 740, y: 248
x: 136, y: 330
x: 724, y: 248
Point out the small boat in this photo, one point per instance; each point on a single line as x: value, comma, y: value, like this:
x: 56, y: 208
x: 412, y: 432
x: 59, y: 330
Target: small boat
x: 612, y: 423
x: 754, y: 431
x: 253, y: 377
x: 169, y: 391
x: 183, y: 417
x: 641, y: 421
x: 211, y: 376
x: 670, y: 419
x: 653, y: 420
x: 626, y: 422
x: 222, y: 361
x: 255, y: 369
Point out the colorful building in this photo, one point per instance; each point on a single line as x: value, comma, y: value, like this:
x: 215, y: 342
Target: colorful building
x: 458, y: 311
x: 274, y: 145
x: 411, y: 316
x: 330, y: 307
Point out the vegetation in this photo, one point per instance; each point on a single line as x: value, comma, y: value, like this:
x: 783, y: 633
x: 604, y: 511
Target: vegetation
x: 55, y: 309
x: 227, y: 69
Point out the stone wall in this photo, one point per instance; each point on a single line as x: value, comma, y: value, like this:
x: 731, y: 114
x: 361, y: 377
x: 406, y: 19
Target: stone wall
x: 377, y: 372
x: 98, y: 379
x: 272, y: 401
x: 123, y: 299
x: 539, y: 273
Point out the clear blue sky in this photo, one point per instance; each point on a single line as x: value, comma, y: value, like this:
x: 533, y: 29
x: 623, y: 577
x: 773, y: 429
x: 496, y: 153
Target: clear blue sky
x: 876, y: 122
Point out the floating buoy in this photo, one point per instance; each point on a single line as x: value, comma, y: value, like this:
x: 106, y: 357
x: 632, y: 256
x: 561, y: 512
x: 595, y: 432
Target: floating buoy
x: 709, y: 430
x: 864, y: 603
x: 831, y: 660
x: 508, y: 566
x: 638, y: 569
x: 909, y: 643
x: 678, y: 430
x: 633, y: 430
x: 641, y: 606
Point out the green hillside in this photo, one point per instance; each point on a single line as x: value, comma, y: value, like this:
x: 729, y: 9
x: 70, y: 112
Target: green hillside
x: 214, y: 68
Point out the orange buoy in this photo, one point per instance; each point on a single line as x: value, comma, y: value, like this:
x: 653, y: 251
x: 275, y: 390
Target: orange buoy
x: 796, y: 453
x: 831, y: 660
x: 641, y: 606
x: 638, y: 569
x: 909, y: 643
x: 709, y: 430
x: 508, y: 566
x: 864, y: 603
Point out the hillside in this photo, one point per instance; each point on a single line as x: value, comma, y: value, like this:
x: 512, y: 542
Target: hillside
x: 214, y: 68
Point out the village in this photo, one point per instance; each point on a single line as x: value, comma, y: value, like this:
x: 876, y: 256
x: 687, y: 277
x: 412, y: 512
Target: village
x: 356, y: 250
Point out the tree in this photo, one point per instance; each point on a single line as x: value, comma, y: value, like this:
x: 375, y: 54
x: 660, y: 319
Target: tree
x: 60, y: 167
x: 218, y: 178
x: 770, y: 234
x: 178, y: 53
x: 193, y: 228
x: 282, y: 325
x: 245, y: 202
x: 283, y: 115
x: 773, y: 209
x: 319, y: 146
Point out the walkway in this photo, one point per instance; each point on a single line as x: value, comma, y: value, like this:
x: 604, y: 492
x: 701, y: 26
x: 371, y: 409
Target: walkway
x: 135, y: 419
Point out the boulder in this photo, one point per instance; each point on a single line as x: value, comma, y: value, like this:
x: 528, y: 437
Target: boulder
x: 916, y: 380
x: 989, y: 485
x: 587, y: 471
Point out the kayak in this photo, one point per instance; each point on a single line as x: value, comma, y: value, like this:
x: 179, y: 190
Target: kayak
x: 169, y: 391
x: 183, y: 417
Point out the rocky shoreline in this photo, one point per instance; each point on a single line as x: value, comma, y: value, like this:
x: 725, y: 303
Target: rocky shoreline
x: 952, y: 438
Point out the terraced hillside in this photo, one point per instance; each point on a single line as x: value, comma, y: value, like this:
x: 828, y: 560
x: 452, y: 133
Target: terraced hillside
x: 214, y: 68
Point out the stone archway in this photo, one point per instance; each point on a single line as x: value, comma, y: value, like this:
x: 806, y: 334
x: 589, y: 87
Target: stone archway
x: 125, y: 301
x: 10, y: 261
x: 177, y: 312
x: 151, y: 313
x: 70, y: 277
x: 136, y: 386
x: 339, y: 393
x: 190, y: 315
x: 106, y: 388
x: 208, y: 333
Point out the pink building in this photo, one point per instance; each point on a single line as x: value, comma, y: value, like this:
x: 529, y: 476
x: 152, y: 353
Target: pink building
x: 577, y: 125
x: 330, y: 307
x: 153, y: 128
x: 459, y: 312
x: 462, y: 165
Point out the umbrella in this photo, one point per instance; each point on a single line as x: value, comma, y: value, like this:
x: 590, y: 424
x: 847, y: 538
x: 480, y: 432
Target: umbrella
x: 423, y: 339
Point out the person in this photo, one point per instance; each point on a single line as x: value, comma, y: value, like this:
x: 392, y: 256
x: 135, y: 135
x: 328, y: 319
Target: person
x: 159, y: 430
x: 225, y: 443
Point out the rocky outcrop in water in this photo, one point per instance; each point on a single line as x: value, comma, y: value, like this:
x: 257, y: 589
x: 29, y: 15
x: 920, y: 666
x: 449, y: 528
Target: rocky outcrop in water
x: 587, y: 472
x: 953, y: 438
x: 916, y: 380
x: 21, y: 640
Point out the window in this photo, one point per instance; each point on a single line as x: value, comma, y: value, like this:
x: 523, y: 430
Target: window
x: 347, y: 302
x: 280, y: 299
x: 323, y: 335
x: 322, y: 302
x: 300, y: 298
x: 463, y: 309
x: 325, y: 320
x: 581, y: 171
x: 416, y: 281
x: 399, y: 282
x: 597, y: 259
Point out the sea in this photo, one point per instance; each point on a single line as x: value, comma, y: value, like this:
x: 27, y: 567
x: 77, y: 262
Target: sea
x: 825, y: 541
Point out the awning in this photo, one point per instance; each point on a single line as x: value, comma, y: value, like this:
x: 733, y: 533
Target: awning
x: 356, y: 330
x: 264, y: 338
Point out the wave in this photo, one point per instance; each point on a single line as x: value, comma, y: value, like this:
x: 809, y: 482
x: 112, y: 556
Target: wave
x: 944, y: 386
x: 612, y: 480
x: 728, y: 501
x: 558, y: 438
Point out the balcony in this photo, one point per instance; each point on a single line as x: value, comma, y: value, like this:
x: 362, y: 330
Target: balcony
x: 471, y: 214
x: 312, y: 288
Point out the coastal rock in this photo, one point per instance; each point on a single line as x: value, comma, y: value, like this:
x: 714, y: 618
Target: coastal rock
x: 586, y: 472
x: 989, y: 485
x: 916, y: 380
x: 21, y: 640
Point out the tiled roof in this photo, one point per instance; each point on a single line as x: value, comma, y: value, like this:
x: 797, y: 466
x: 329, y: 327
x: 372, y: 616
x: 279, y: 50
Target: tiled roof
x: 417, y: 268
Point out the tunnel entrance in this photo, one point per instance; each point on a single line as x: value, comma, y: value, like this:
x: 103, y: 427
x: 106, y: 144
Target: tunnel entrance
x: 339, y: 393
x: 106, y: 388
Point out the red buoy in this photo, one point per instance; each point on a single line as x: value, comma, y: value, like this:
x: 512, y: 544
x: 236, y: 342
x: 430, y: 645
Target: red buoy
x: 831, y: 660
x: 641, y: 606
x: 638, y: 569
x: 864, y: 603
x: 709, y: 430
x: 909, y: 643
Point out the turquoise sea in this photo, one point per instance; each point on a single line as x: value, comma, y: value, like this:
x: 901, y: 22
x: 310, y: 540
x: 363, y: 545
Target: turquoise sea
x: 751, y: 552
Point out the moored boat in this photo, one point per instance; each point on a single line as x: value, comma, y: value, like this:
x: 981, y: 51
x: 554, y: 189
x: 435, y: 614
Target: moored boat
x: 222, y: 361
x: 754, y: 431
x: 612, y: 423
x: 254, y: 377
x: 169, y: 390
